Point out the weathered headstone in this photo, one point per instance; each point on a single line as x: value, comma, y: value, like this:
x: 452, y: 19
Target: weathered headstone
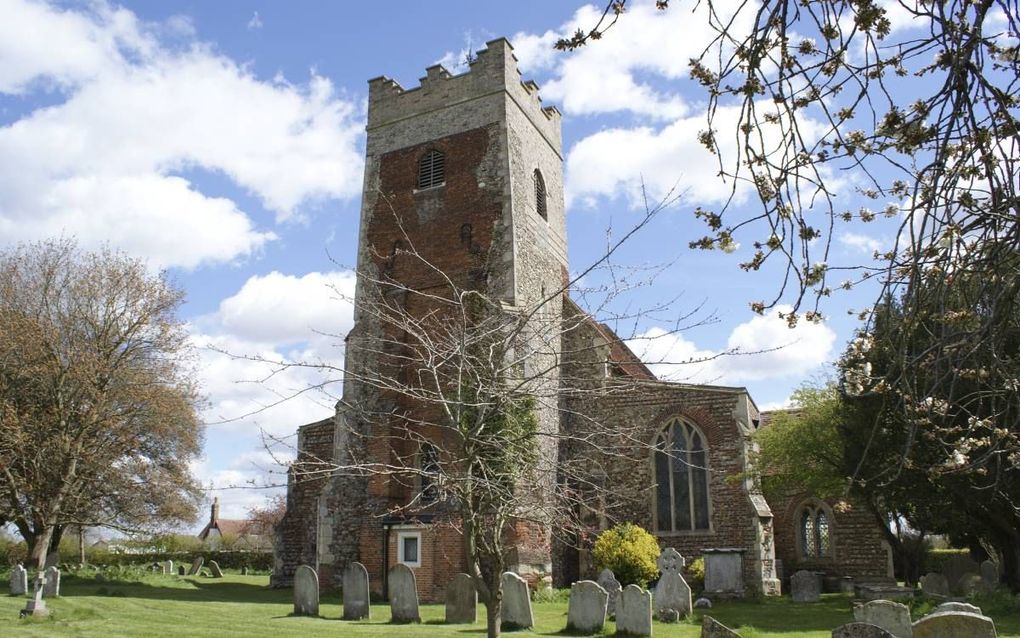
x: 356, y: 597
x: 957, y: 606
x: 634, y: 613
x: 19, y: 580
x: 168, y: 568
x: 244, y: 570
x: 516, y: 602
x: 461, y: 600
x: 954, y: 624
x: 36, y: 606
x: 970, y: 584
x: 934, y: 584
x: 712, y: 628
x: 990, y: 574
x: 52, y: 559
x: 954, y: 569
x: 214, y: 569
x: 586, y: 610
x: 724, y: 572
x: 403, y: 594
x: 306, y: 591
x: 672, y: 591
x: 703, y: 603
x: 52, y: 587
x: 196, y: 566
x: 607, y: 581
x: 893, y: 617
x: 805, y: 587
x: 860, y: 630
x: 182, y: 570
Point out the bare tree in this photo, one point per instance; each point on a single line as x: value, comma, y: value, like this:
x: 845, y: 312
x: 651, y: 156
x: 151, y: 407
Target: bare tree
x: 98, y: 413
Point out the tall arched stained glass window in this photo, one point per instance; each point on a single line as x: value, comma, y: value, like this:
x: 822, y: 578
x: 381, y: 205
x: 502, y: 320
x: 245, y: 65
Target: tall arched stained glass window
x: 681, y: 479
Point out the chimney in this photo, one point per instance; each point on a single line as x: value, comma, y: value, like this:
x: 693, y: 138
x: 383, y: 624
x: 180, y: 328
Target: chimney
x: 215, y: 509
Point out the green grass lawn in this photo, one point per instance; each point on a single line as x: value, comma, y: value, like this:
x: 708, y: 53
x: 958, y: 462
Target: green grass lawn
x: 162, y: 606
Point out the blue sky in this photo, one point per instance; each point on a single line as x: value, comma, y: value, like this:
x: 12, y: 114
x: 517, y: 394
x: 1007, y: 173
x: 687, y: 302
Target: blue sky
x: 224, y: 141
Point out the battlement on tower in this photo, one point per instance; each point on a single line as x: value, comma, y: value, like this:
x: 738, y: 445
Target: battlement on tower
x: 492, y: 73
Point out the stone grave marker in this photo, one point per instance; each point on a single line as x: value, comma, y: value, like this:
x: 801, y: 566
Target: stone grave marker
x: 168, y: 568
x: 703, y: 603
x: 52, y: 559
x: 214, y: 569
x: 36, y: 606
x: 634, y: 613
x: 893, y: 617
x: 956, y: 606
x: 970, y: 584
x: 356, y: 597
x: 860, y: 630
x: 19, y: 580
x: 196, y: 566
x: 52, y: 587
x: 607, y: 581
x: 805, y: 587
x: 672, y: 592
x: 934, y: 584
x: 181, y: 570
x: 954, y: 569
x: 990, y: 574
x: 306, y: 591
x: 244, y: 570
x: 712, y: 628
x: 586, y: 610
x: 954, y: 624
x: 516, y: 602
x: 403, y: 594
x: 461, y: 600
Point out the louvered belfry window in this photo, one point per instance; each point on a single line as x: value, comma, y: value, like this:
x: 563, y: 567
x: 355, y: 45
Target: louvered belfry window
x: 540, y: 194
x: 431, y: 170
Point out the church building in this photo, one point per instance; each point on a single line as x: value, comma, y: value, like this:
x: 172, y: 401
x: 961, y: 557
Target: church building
x: 466, y: 172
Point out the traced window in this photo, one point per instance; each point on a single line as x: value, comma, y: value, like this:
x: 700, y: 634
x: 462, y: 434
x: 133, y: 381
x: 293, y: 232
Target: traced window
x: 814, y: 531
x: 540, y: 205
x: 681, y: 479
x: 431, y: 170
x: 409, y: 548
x: 428, y: 463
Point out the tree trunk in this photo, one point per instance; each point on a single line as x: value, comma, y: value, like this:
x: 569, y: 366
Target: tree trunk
x: 40, y: 547
x: 494, y: 613
x: 81, y: 545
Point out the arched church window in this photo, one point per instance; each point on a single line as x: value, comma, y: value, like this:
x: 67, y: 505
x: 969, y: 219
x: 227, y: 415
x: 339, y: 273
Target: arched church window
x: 428, y: 465
x: 431, y: 169
x: 540, y: 204
x: 681, y: 479
x: 814, y: 530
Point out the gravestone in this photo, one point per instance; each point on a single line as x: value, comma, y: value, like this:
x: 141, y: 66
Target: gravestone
x: 181, y: 570
x: 244, y: 570
x: 196, y: 566
x: 168, y: 567
x: 970, y: 584
x: 672, y: 592
x: 956, y: 606
x: 805, y: 587
x: 52, y: 559
x: 52, y: 587
x: 36, y: 606
x: 607, y: 581
x: 356, y: 600
x: 306, y: 591
x: 19, y: 580
x: 990, y: 574
x: 214, y: 569
x: 516, y: 602
x: 934, y: 584
x: 724, y: 572
x: 634, y: 613
x: 954, y: 624
x: 893, y: 617
x: 461, y: 600
x: 403, y: 594
x: 712, y: 628
x: 860, y: 630
x: 586, y: 610
x: 703, y: 603
x: 954, y: 569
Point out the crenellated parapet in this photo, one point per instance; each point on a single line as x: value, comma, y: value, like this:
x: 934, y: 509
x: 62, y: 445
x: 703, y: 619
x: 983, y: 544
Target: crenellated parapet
x: 493, y: 72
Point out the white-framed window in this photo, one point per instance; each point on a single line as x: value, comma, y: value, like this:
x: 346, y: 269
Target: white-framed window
x: 409, y: 548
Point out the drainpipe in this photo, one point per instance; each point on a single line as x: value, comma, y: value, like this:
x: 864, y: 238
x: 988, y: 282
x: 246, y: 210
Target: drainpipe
x: 386, y: 561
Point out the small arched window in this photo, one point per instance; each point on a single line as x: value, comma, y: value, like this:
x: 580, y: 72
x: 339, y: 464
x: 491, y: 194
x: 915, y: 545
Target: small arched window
x: 814, y: 531
x: 540, y: 204
x: 431, y: 170
x: 681, y: 479
x: 428, y: 464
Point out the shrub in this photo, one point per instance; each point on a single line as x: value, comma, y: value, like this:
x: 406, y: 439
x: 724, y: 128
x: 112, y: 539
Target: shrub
x: 630, y: 552
x: 694, y: 574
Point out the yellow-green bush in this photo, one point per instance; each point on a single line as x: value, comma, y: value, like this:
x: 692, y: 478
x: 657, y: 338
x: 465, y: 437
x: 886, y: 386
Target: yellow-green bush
x: 630, y: 552
x: 694, y: 574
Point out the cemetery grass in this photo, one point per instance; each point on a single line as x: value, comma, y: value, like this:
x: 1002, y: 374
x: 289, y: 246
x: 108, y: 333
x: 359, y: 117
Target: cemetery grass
x: 156, y: 605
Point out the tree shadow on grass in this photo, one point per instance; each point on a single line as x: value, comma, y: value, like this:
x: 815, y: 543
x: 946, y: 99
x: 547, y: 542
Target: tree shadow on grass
x: 183, y: 589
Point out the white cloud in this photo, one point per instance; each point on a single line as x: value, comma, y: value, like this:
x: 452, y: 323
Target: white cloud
x: 860, y: 242
x: 764, y: 347
x: 255, y: 23
x: 137, y: 116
